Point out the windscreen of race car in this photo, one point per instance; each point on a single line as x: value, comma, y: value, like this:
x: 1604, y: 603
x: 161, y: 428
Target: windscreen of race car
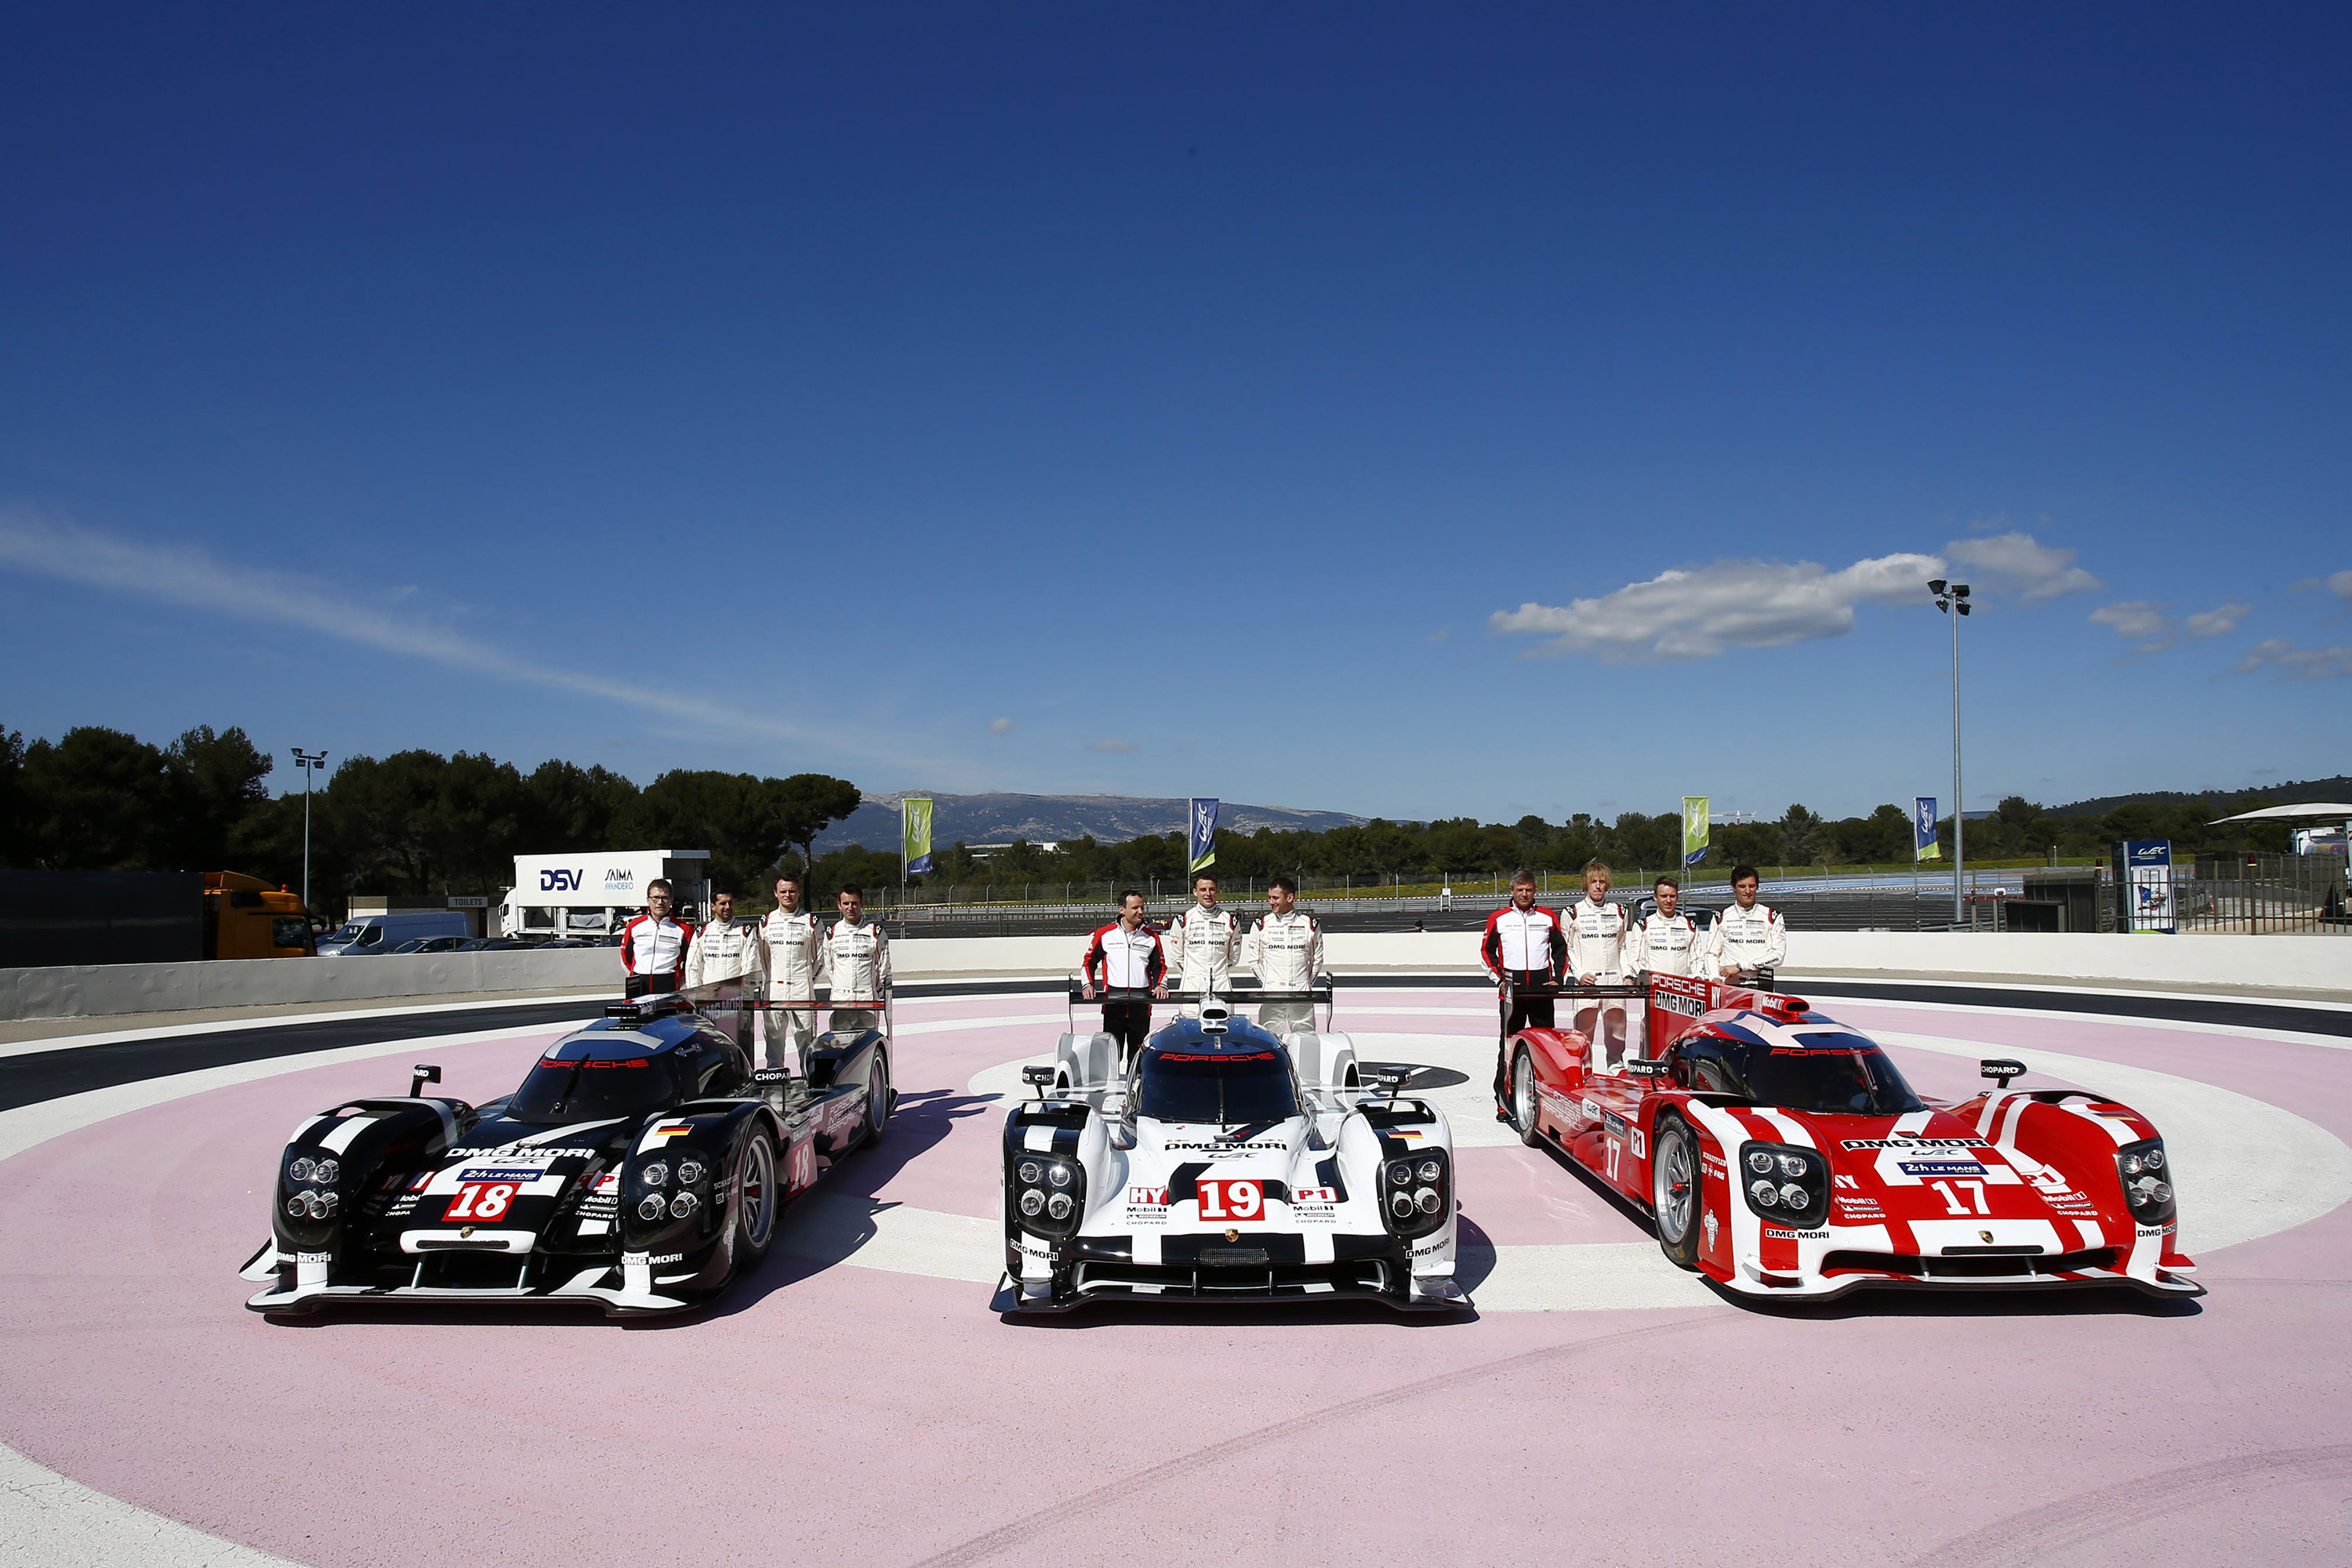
x: 1838, y: 1074
x: 574, y: 1083
x: 1222, y: 1088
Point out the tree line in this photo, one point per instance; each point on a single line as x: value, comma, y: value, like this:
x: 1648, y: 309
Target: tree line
x: 416, y: 824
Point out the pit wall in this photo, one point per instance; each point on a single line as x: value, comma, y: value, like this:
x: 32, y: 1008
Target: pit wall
x: 2317, y: 966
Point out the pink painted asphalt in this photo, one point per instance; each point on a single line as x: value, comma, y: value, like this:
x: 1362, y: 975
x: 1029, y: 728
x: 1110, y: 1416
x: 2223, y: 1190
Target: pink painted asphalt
x: 840, y: 1412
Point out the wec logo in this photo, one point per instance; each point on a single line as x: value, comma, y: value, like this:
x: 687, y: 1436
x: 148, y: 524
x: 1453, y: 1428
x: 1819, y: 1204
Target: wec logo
x: 558, y: 882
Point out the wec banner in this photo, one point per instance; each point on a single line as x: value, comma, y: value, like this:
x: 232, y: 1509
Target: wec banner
x: 1201, y: 836
x: 1924, y: 846
x: 915, y: 834
x: 1694, y: 831
x: 2144, y: 883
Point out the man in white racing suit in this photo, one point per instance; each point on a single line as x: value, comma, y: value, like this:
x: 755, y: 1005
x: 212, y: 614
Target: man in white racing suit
x: 793, y: 940
x: 1285, y: 951
x: 1201, y: 944
x: 1748, y: 940
x: 1665, y: 942
x: 727, y: 957
x: 1596, y: 956
x: 857, y: 963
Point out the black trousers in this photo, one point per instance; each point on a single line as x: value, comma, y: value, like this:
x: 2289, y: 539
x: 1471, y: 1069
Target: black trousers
x: 1128, y: 1023
x: 1527, y: 1012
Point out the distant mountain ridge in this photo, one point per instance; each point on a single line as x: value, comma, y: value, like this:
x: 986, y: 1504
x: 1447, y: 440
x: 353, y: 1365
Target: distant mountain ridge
x: 2337, y: 788
x: 1056, y: 818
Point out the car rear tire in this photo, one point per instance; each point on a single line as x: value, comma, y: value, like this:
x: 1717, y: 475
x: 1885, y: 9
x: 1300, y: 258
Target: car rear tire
x: 878, y: 1099
x: 1523, y: 1099
x: 1675, y: 1197
x: 758, y: 1196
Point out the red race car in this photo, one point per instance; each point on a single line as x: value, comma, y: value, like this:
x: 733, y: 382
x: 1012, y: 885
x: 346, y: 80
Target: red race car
x: 1783, y: 1155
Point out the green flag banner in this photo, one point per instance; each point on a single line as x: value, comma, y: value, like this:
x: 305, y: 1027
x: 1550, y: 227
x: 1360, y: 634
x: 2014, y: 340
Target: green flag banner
x: 1695, y: 832
x: 915, y: 834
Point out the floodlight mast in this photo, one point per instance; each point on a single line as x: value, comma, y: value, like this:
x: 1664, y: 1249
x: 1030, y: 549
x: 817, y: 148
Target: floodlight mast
x: 308, y: 762
x: 1952, y: 598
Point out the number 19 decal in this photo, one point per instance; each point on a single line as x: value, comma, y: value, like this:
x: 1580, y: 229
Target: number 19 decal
x: 1232, y: 1200
x: 481, y: 1200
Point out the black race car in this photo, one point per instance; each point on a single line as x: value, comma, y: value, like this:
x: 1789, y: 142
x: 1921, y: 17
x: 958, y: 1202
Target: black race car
x: 640, y: 1166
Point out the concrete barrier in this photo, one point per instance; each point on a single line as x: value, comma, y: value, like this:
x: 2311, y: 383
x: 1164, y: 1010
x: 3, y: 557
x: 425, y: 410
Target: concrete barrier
x: 2317, y: 966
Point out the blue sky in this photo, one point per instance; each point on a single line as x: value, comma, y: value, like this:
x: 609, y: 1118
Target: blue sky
x: 1407, y: 411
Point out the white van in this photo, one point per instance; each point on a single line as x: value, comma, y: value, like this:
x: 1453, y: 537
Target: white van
x: 367, y: 935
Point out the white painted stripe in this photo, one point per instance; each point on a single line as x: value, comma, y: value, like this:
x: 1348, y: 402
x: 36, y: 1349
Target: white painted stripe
x: 340, y: 1138
x: 285, y: 1020
x: 52, y: 1521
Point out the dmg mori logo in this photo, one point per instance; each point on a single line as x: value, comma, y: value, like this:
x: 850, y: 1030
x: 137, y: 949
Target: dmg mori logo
x: 558, y: 882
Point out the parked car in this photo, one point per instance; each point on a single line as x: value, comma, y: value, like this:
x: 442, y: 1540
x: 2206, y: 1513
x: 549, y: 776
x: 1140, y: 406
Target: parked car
x: 432, y: 944
x: 493, y: 944
x: 369, y: 935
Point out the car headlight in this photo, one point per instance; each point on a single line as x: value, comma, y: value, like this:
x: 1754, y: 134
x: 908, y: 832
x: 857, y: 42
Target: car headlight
x: 683, y: 1205
x: 1790, y: 1185
x: 2146, y: 1192
x: 302, y: 1169
x: 1049, y: 1193
x: 651, y: 1207
x: 656, y: 1174
x: 1031, y: 1171
x: 295, y: 1207
x: 1059, y: 1174
x: 1032, y: 1202
x: 690, y: 1172
x: 1417, y: 1193
x: 1058, y: 1205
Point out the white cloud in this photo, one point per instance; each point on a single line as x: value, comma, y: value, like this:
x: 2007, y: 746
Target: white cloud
x: 2340, y: 584
x: 2134, y: 619
x: 2018, y: 563
x: 1112, y: 746
x: 1699, y: 612
x: 2218, y: 622
x: 189, y: 577
x: 2298, y: 663
x: 1000, y: 726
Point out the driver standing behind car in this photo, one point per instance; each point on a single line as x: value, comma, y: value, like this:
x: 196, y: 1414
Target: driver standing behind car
x: 653, y: 946
x: 1125, y: 955
x: 1663, y: 942
x: 1204, y: 941
x: 795, y: 940
x: 1596, y: 956
x: 857, y: 963
x: 724, y: 952
x: 1285, y: 951
x: 1748, y: 940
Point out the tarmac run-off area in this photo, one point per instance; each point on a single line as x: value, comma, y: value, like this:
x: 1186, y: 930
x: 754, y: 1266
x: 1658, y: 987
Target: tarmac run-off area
x: 856, y: 1402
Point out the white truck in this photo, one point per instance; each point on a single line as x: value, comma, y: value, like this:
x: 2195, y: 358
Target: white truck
x: 593, y: 893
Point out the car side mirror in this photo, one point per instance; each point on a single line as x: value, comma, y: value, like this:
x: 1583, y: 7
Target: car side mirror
x: 2001, y: 1071
x: 1114, y: 1107
x: 1646, y: 1066
x: 1389, y: 1080
x: 1038, y: 1079
x: 425, y: 1073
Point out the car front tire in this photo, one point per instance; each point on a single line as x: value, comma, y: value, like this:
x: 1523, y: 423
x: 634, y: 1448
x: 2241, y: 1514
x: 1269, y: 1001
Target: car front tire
x: 878, y: 1099
x: 1523, y: 1099
x: 1675, y: 1197
x: 758, y: 1198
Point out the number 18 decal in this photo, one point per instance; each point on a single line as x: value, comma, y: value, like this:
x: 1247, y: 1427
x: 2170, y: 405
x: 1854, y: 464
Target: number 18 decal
x: 481, y: 1200
x: 1232, y: 1200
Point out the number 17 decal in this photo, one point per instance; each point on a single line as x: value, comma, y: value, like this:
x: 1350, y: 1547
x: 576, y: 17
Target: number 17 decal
x: 1952, y: 1199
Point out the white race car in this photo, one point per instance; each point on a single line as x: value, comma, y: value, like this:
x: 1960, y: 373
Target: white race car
x: 1225, y: 1164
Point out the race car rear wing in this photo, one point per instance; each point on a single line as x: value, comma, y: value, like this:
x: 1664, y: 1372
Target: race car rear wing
x: 1672, y: 1003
